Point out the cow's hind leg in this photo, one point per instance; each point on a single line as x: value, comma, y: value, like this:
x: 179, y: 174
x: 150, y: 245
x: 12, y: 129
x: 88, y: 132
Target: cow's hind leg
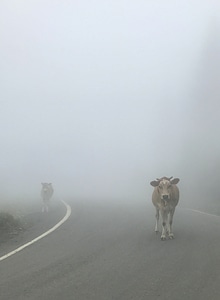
x: 157, y: 220
x: 45, y: 207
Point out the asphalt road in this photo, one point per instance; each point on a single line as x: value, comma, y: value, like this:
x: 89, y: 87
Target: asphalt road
x: 110, y: 252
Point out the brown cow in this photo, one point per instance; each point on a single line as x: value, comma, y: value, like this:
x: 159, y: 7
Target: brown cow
x: 165, y: 198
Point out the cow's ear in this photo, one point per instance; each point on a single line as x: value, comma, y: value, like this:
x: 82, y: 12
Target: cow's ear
x: 154, y: 183
x: 175, y: 180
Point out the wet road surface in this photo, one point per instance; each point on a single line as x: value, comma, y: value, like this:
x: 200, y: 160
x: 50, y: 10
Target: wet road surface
x: 110, y: 251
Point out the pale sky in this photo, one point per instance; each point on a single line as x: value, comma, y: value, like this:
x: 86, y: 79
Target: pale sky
x: 95, y: 95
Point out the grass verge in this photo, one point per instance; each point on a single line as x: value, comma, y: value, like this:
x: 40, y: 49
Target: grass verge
x: 10, y: 226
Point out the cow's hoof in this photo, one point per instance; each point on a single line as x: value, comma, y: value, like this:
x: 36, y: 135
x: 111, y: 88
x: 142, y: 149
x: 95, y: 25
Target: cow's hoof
x: 163, y: 238
x: 171, y: 236
x: 156, y: 231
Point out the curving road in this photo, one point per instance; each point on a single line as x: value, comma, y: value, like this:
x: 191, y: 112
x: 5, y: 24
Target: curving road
x: 110, y: 252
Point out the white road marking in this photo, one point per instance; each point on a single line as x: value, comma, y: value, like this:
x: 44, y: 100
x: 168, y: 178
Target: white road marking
x: 68, y: 213
x: 202, y: 212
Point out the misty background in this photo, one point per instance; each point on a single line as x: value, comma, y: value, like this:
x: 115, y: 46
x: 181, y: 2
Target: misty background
x: 101, y: 97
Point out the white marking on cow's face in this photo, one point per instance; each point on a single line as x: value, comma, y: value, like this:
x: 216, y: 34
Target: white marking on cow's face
x: 164, y: 189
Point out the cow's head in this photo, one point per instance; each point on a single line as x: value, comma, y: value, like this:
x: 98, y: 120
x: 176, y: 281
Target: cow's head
x: 164, y: 186
x: 46, y: 186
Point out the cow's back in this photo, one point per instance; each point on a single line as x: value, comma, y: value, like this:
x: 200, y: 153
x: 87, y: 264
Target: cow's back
x: 175, y: 195
x: 156, y: 198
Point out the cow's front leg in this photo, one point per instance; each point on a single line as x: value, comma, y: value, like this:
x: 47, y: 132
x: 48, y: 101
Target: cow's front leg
x: 170, y: 233
x: 164, y: 225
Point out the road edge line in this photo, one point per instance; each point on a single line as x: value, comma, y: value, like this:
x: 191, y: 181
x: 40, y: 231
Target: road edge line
x: 202, y: 212
x: 65, y: 218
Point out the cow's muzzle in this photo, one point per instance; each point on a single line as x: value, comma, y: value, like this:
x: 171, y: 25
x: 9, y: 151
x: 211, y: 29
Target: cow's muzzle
x: 165, y: 197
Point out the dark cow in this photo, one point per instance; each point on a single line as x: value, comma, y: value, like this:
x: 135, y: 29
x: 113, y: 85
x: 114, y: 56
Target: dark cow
x: 165, y: 198
x: 46, y: 194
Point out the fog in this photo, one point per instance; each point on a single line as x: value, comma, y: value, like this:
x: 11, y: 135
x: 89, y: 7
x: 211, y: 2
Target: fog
x: 101, y: 97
